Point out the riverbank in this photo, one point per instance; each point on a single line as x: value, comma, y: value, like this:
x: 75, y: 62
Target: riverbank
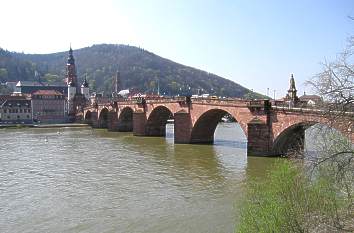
x: 71, y: 125
x: 60, y: 125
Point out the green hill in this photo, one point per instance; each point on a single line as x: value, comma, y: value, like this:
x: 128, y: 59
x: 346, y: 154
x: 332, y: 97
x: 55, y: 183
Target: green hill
x: 139, y: 70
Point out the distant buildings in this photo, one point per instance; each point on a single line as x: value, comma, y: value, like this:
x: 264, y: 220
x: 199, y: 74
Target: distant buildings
x: 15, y: 110
x: 35, y: 101
x: 311, y: 100
x: 292, y: 100
x: 49, y: 106
x: 28, y: 87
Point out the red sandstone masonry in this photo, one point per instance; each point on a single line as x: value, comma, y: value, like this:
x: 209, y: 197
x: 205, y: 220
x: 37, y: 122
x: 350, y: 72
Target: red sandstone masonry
x: 261, y: 136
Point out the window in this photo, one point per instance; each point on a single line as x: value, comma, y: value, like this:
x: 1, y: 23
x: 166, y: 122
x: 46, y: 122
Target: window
x: 5, y: 110
x: 8, y: 117
x: 20, y: 110
x: 28, y: 116
x: 18, y: 117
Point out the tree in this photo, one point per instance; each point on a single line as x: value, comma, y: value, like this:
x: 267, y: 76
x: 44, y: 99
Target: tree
x: 4, y: 90
x: 3, y: 74
x: 317, y: 197
x: 335, y: 84
x: 335, y: 153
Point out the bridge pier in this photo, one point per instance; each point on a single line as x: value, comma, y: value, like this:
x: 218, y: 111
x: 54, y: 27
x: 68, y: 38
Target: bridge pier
x: 94, y: 119
x: 112, y: 121
x: 259, y: 138
x: 182, y: 127
x: 139, y: 123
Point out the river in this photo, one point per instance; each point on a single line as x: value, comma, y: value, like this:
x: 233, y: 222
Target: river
x: 91, y: 180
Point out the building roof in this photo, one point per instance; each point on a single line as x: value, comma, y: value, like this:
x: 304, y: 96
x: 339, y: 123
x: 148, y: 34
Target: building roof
x: 16, y: 103
x: 38, y: 84
x: 3, y: 98
x: 47, y: 93
x: 310, y: 97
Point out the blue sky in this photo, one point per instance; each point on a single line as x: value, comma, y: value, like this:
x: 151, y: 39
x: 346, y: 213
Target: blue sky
x: 257, y: 44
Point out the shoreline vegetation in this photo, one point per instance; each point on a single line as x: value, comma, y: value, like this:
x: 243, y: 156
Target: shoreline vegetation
x: 291, y: 200
x: 312, y: 192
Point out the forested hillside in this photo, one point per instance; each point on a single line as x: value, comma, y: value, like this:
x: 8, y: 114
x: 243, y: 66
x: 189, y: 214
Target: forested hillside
x: 139, y: 70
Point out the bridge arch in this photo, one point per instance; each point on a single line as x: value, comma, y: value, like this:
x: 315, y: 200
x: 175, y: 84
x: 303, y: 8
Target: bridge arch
x: 292, y: 138
x: 204, y: 127
x: 157, y: 120
x: 103, y: 118
x: 88, y: 117
x: 125, y: 120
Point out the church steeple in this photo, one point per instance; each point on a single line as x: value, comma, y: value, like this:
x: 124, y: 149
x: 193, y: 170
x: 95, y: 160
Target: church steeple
x: 71, y: 76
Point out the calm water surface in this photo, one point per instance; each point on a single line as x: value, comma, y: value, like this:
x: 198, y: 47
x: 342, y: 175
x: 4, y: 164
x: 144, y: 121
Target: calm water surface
x: 85, y: 180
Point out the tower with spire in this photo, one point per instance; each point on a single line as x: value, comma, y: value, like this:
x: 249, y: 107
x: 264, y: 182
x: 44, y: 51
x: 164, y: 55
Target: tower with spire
x: 292, y: 96
x: 292, y: 90
x: 77, y: 97
x: 71, y: 78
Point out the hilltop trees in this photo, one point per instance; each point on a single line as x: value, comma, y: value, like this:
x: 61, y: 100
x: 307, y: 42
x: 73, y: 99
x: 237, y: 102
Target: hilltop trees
x: 140, y: 70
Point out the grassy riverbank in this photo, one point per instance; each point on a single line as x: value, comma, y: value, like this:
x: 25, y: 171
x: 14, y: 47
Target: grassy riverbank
x: 291, y: 200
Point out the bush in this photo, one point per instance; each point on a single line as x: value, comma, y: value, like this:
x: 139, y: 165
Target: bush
x: 289, y: 201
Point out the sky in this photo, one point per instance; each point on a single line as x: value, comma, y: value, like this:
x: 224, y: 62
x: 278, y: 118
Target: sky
x: 255, y: 43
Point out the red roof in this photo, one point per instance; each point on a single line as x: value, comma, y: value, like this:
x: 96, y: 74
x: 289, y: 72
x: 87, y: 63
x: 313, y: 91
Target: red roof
x: 3, y: 98
x: 47, y: 92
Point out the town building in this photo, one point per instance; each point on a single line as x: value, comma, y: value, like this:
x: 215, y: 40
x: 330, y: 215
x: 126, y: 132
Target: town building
x: 310, y: 100
x: 15, y: 110
x: 49, y: 106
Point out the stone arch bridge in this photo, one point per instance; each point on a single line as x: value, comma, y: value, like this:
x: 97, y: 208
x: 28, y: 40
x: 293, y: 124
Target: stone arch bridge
x: 269, y: 130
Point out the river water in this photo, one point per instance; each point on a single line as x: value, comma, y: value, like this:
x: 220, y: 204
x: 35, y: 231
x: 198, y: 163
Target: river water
x: 91, y: 180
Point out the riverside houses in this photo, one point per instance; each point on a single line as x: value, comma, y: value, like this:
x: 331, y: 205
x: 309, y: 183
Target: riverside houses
x: 15, y: 110
x: 49, y: 106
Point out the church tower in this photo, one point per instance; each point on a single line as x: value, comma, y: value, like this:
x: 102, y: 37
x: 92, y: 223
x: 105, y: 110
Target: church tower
x: 72, y: 83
